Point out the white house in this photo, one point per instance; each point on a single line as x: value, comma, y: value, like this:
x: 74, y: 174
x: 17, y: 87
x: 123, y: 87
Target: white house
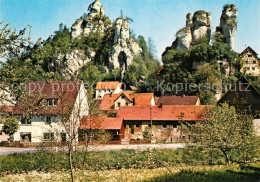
x: 103, y: 88
x: 39, y: 114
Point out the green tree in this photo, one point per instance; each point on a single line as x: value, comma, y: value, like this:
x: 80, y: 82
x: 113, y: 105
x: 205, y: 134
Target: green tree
x: 209, y: 80
x: 151, y: 47
x: 140, y: 69
x: 225, y: 131
x: 147, y: 134
x: 90, y: 73
x: 11, y: 126
x: 142, y: 43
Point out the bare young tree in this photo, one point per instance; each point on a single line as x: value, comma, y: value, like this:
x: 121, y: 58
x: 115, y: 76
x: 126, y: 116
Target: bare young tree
x: 71, y: 109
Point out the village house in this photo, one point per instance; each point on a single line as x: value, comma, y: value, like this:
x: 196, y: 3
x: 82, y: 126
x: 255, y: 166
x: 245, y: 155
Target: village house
x: 177, y: 100
x: 112, y: 125
x: 112, y: 102
x: 251, y: 62
x: 39, y: 115
x: 131, y: 122
x: 103, y: 88
x: 166, y: 120
x: 245, y: 98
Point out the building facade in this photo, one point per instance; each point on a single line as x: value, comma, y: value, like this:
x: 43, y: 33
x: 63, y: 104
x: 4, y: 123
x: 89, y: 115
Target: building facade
x: 245, y: 98
x: 39, y: 115
x: 166, y: 121
x: 251, y: 62
x: 103, y: 88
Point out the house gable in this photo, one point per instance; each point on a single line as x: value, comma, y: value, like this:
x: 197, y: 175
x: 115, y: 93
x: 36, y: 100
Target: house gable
x: 243, y: 96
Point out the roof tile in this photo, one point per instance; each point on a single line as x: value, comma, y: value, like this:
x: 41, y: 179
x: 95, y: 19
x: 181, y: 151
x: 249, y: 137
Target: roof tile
x: 168, y: 112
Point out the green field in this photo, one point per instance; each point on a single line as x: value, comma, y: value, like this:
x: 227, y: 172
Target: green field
x: 124, y: 165
x: 228, y: 173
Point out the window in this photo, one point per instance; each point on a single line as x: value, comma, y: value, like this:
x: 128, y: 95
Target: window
x: 175, y: 125
x: 126, y: 103
x: 48, y: 119
x: 137, y: 125
x: 48, y: 136
x: 51, y: 102
x: 253, y: 68
x: 55, y: 102
x: 63, y: 137
x: 164, y: 126
x: 248, y: 68
x: 26, y: 136
x: 118, y: 104
x: 250, y: 55
x: 149, y: 125
x: 132, y: 129
x: 254, y: 62
x: 25, y: 120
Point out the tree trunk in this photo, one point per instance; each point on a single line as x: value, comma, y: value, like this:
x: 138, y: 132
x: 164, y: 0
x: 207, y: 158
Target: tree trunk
x: 226, y: 156
x: 85, y: 152
x: 71, y: 166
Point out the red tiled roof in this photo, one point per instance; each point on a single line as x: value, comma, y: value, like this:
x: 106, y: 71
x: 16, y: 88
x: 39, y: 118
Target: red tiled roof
x: 141, y: 99
x: 6, y: 109
x: 66, y: 91
x: 177, y: 100
x: 108, y: 85
x: 167, y: 112
x: 103, y: 122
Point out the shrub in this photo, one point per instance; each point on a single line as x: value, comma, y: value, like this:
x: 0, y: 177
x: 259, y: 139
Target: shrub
x: 11, y: 126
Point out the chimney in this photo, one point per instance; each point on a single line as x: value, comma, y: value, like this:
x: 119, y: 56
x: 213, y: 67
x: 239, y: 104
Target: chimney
x: 133, y: 101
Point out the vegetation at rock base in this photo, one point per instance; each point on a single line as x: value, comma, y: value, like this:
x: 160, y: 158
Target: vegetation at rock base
x: 197, y: 65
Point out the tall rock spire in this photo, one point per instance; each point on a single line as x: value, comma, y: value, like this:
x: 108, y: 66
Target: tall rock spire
x: 85, y: 24
x: 228, y: 24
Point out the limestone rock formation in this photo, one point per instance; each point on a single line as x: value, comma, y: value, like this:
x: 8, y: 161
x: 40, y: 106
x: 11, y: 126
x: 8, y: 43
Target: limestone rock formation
x: 183, y: 38
x: 93, y: 22
x: 125, y: 47
x: 71, y: 62
x: 228, y: 24
x: 74, y: 62
x: 201, y: 25
x: 116, y: 49
x: 197, y: 27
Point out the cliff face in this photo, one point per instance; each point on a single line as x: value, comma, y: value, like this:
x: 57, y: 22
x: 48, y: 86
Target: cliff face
x: 228, y: 24
x: 125, y: 47
x: 197, y: 27
x: 93, y: 22
x: 201, y: 25
x: 116, y: 50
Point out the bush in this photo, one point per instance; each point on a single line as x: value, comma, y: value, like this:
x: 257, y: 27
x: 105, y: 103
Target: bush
x: 11, y: 126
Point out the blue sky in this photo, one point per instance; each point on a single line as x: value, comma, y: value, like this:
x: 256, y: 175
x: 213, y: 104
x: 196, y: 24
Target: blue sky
x: 159, y: 19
